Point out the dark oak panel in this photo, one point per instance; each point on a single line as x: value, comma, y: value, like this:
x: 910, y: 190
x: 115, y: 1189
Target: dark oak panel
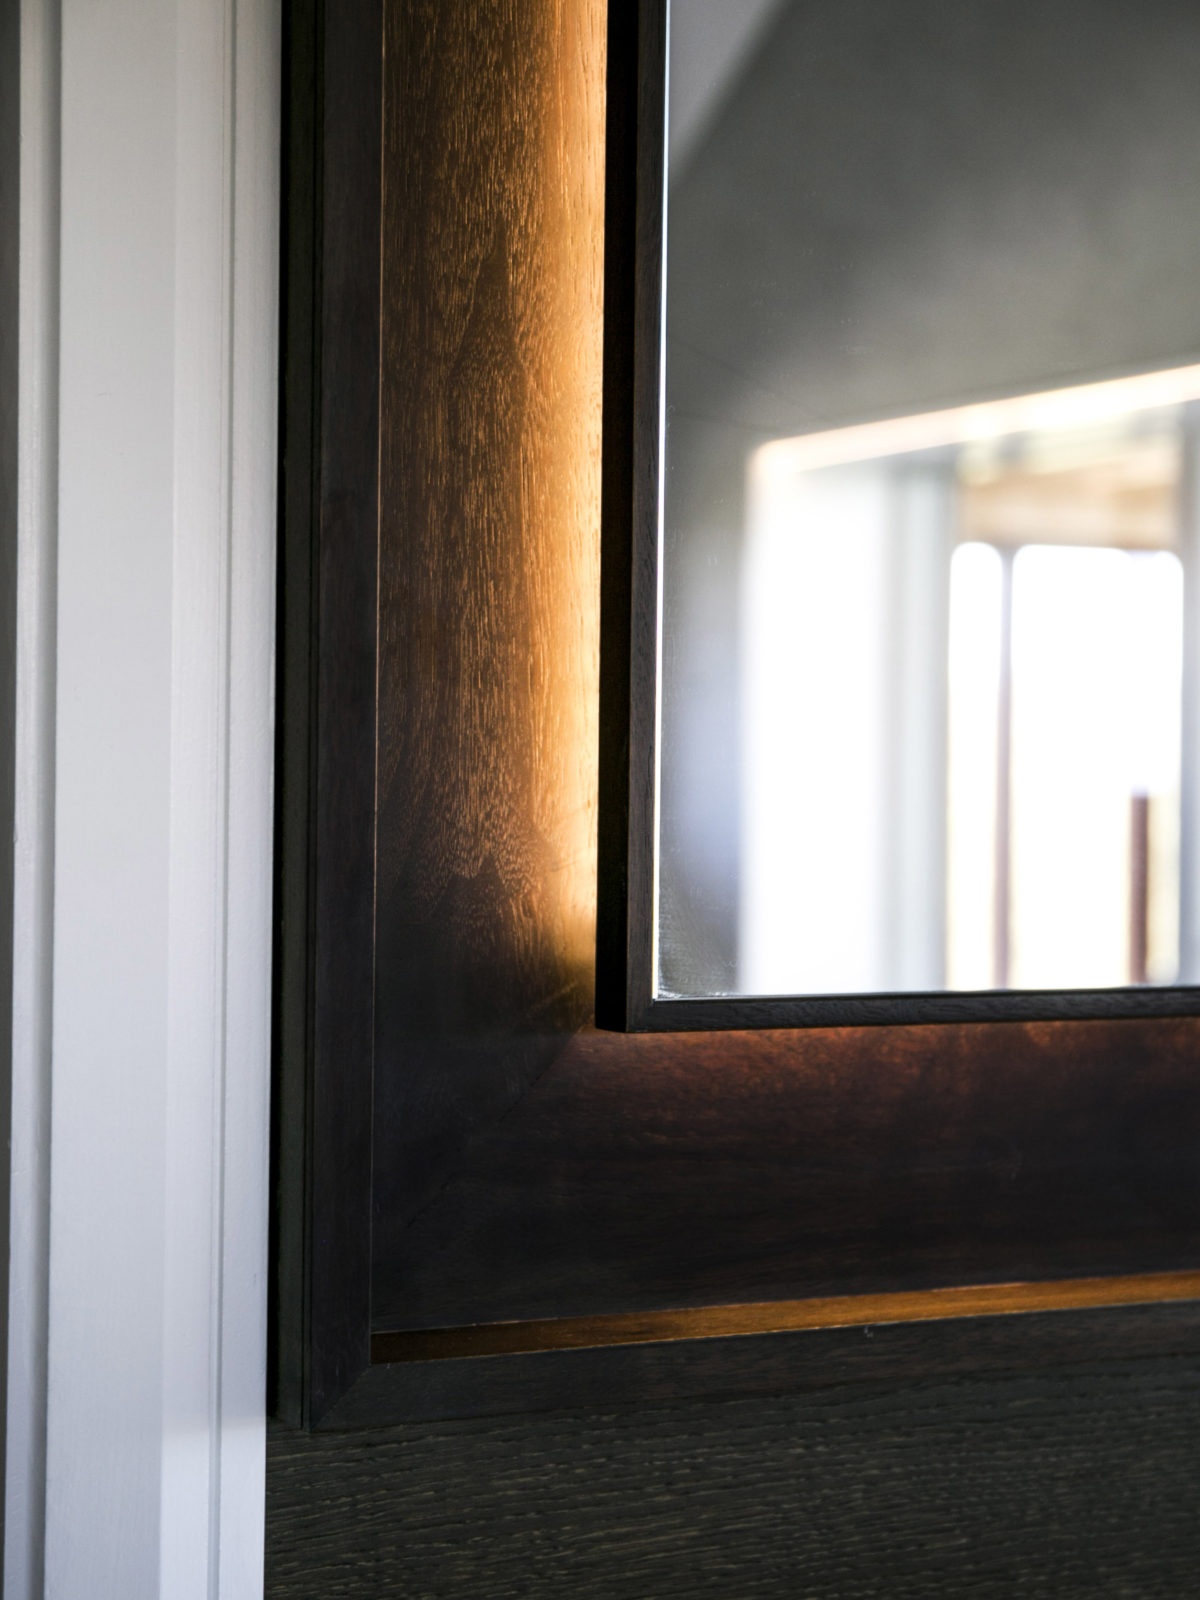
x: 489, y: 567
x: 324, y: 966
x: 780, y: 1363
x: 1062, y: 1484
x: 648, y: 1171
x: 456, y: 1143
x: 598, y: 1332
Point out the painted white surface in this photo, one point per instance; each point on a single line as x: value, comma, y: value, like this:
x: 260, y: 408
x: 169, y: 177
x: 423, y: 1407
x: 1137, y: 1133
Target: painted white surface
x: 154, y: 585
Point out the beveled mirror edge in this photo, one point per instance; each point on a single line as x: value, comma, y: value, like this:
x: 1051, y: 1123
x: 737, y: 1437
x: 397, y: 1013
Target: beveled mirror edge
x: 891, y: 1010
x: 630, y: 497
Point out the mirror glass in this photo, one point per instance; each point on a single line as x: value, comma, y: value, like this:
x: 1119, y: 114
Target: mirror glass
x: 929, y: 545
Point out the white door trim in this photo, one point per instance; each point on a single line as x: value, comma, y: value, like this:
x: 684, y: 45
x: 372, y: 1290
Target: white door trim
x: 149, y: 255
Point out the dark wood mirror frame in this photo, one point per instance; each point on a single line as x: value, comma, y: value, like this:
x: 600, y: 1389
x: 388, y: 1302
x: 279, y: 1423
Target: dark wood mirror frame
x: 484, y: 1203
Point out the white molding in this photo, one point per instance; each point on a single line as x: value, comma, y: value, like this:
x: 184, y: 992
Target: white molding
x: 157, y: 598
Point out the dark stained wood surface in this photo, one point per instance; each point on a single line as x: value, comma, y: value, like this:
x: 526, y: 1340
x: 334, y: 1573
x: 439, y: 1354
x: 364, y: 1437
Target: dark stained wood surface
x: 1072, y: 1483
x: 489, y: 567
x: 523, y: 1168
x: 324, y: 966
x: 777, y: 1363
x: 650, y: 1171
x: 522, y: 1164
x: 1062, y: 1464
x: 814, y: 1314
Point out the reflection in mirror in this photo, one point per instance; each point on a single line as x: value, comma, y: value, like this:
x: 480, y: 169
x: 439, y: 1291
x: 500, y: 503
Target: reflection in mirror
x: 985, y: 790
x: 929, y: 543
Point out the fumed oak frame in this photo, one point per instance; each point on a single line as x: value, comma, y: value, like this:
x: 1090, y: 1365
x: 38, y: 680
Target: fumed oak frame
x: 485, y: 1203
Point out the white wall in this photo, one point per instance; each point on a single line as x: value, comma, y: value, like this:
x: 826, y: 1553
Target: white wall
x: 141, y: 1013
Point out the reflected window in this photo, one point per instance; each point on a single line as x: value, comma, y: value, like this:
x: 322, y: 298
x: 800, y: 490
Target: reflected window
x: 963, y: 639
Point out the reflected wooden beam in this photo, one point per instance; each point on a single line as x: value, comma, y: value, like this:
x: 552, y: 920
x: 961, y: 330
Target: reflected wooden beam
x: 782, y: 1316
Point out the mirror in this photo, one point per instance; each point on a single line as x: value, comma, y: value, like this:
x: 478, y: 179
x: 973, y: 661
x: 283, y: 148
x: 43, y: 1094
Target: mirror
x: 927, y: 526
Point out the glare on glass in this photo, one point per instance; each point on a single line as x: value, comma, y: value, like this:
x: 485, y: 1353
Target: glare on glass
x: 962, y: 701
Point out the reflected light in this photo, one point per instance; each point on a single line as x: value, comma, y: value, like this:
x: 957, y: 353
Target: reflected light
x: 962, y: 755
x: 1052, y: 411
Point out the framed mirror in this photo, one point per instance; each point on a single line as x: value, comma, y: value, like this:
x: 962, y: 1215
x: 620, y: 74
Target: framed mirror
x: 902, y: 531
x: 485, y: 1203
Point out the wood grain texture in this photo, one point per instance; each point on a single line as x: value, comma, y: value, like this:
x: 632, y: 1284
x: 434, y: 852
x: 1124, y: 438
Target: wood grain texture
x: 1069, y: 1484
x: 489, y: 565
x: 647, y: 1171
x: 650, y: 1374
x: 522, y: 1165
